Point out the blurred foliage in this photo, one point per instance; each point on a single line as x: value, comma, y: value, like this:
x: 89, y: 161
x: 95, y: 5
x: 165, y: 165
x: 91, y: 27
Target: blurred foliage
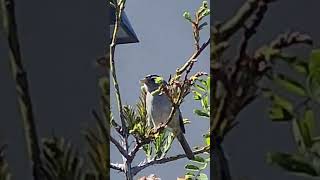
x: 301, y: 115
x: 99, y: 152
x: 4, y: 171
x: 60, y: 160
x: 194, y: 169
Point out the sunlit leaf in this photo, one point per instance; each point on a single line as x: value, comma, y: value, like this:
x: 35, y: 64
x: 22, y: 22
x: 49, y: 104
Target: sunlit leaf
x: 201, y: 113
x: 202, y: 176
x: 207, y: 139
x: 197, y: 95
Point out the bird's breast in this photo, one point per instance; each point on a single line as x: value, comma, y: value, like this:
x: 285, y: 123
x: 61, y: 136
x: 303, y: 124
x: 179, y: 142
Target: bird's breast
x: 158, y: 107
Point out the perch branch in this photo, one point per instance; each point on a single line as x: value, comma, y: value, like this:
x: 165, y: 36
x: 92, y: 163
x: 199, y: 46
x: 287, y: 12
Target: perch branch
x: 185, y: 67
x: 163, y: 160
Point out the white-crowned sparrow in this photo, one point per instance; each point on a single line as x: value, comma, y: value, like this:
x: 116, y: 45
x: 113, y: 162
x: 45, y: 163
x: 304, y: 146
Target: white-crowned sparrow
x: 158, y: 108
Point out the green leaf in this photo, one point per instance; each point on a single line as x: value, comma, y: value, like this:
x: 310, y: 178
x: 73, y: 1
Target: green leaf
x: 292, y: 163
x: 197, y: 95
x: 202, y: 176
x: 189, y: 176
x: 187, y: 16
x: 207, y: 139
x: 199, y: 159
x: 314, y: 62
x: 300, y: 67
x: 204, y: 4
x: 192, y: 167
x: 290, y: 85
x: 201, y: 113
x: 301, y: 135
x: 201, y: 88
x: 309, y: 121
x: 281, y: 109
x: 278, y: 113
x: 208, y: 83
x: 313, y: 85
x: 204, y: 102
x: 283, y: 102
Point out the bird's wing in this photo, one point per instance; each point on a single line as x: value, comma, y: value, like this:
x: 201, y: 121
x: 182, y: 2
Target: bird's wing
x: 181, y: 122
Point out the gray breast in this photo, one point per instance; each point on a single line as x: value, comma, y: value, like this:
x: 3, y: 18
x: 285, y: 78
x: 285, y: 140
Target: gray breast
x: 158, y: 107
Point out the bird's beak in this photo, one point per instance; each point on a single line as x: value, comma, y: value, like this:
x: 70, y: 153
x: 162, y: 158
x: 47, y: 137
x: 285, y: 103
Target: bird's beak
x: 142, y: 81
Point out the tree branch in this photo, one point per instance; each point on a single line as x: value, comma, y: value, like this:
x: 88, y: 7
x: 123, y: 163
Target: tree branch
x: 22, y: 87
x: 119, y: 9
x: 118, y: 167
x: 163, y: 160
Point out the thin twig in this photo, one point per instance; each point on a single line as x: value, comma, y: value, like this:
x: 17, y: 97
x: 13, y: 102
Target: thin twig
x: 119, y: 147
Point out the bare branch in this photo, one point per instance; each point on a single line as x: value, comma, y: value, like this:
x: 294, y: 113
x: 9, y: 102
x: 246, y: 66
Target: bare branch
x: 226, y: 30
x: 119, y: 9
x: 118, y: 167
x: 163, y: 160
x: 112, y: 139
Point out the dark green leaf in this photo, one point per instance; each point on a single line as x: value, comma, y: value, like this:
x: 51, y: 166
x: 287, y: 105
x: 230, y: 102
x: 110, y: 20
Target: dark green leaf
x: 192, y: 167
x: 314, y: 62
x: 278, y: 113
x: 290, y: 85
x: 199, y: 159
x: 313, y: 85
x: 292, y: 163
x: 302, y: 135
x: 309, y: 121
x: 301, y: 67
x: 201, y: 113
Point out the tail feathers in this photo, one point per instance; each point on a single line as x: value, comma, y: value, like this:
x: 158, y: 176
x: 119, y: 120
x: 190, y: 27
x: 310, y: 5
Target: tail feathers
x: 185, y: 146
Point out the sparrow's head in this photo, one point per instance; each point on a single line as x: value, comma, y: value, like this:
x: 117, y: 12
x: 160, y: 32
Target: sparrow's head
x: 151, y: 82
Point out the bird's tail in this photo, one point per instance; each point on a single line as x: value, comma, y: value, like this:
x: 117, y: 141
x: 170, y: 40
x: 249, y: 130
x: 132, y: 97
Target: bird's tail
x: 185, y: 146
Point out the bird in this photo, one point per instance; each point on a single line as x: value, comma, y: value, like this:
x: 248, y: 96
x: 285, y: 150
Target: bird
x: 158, y: 107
